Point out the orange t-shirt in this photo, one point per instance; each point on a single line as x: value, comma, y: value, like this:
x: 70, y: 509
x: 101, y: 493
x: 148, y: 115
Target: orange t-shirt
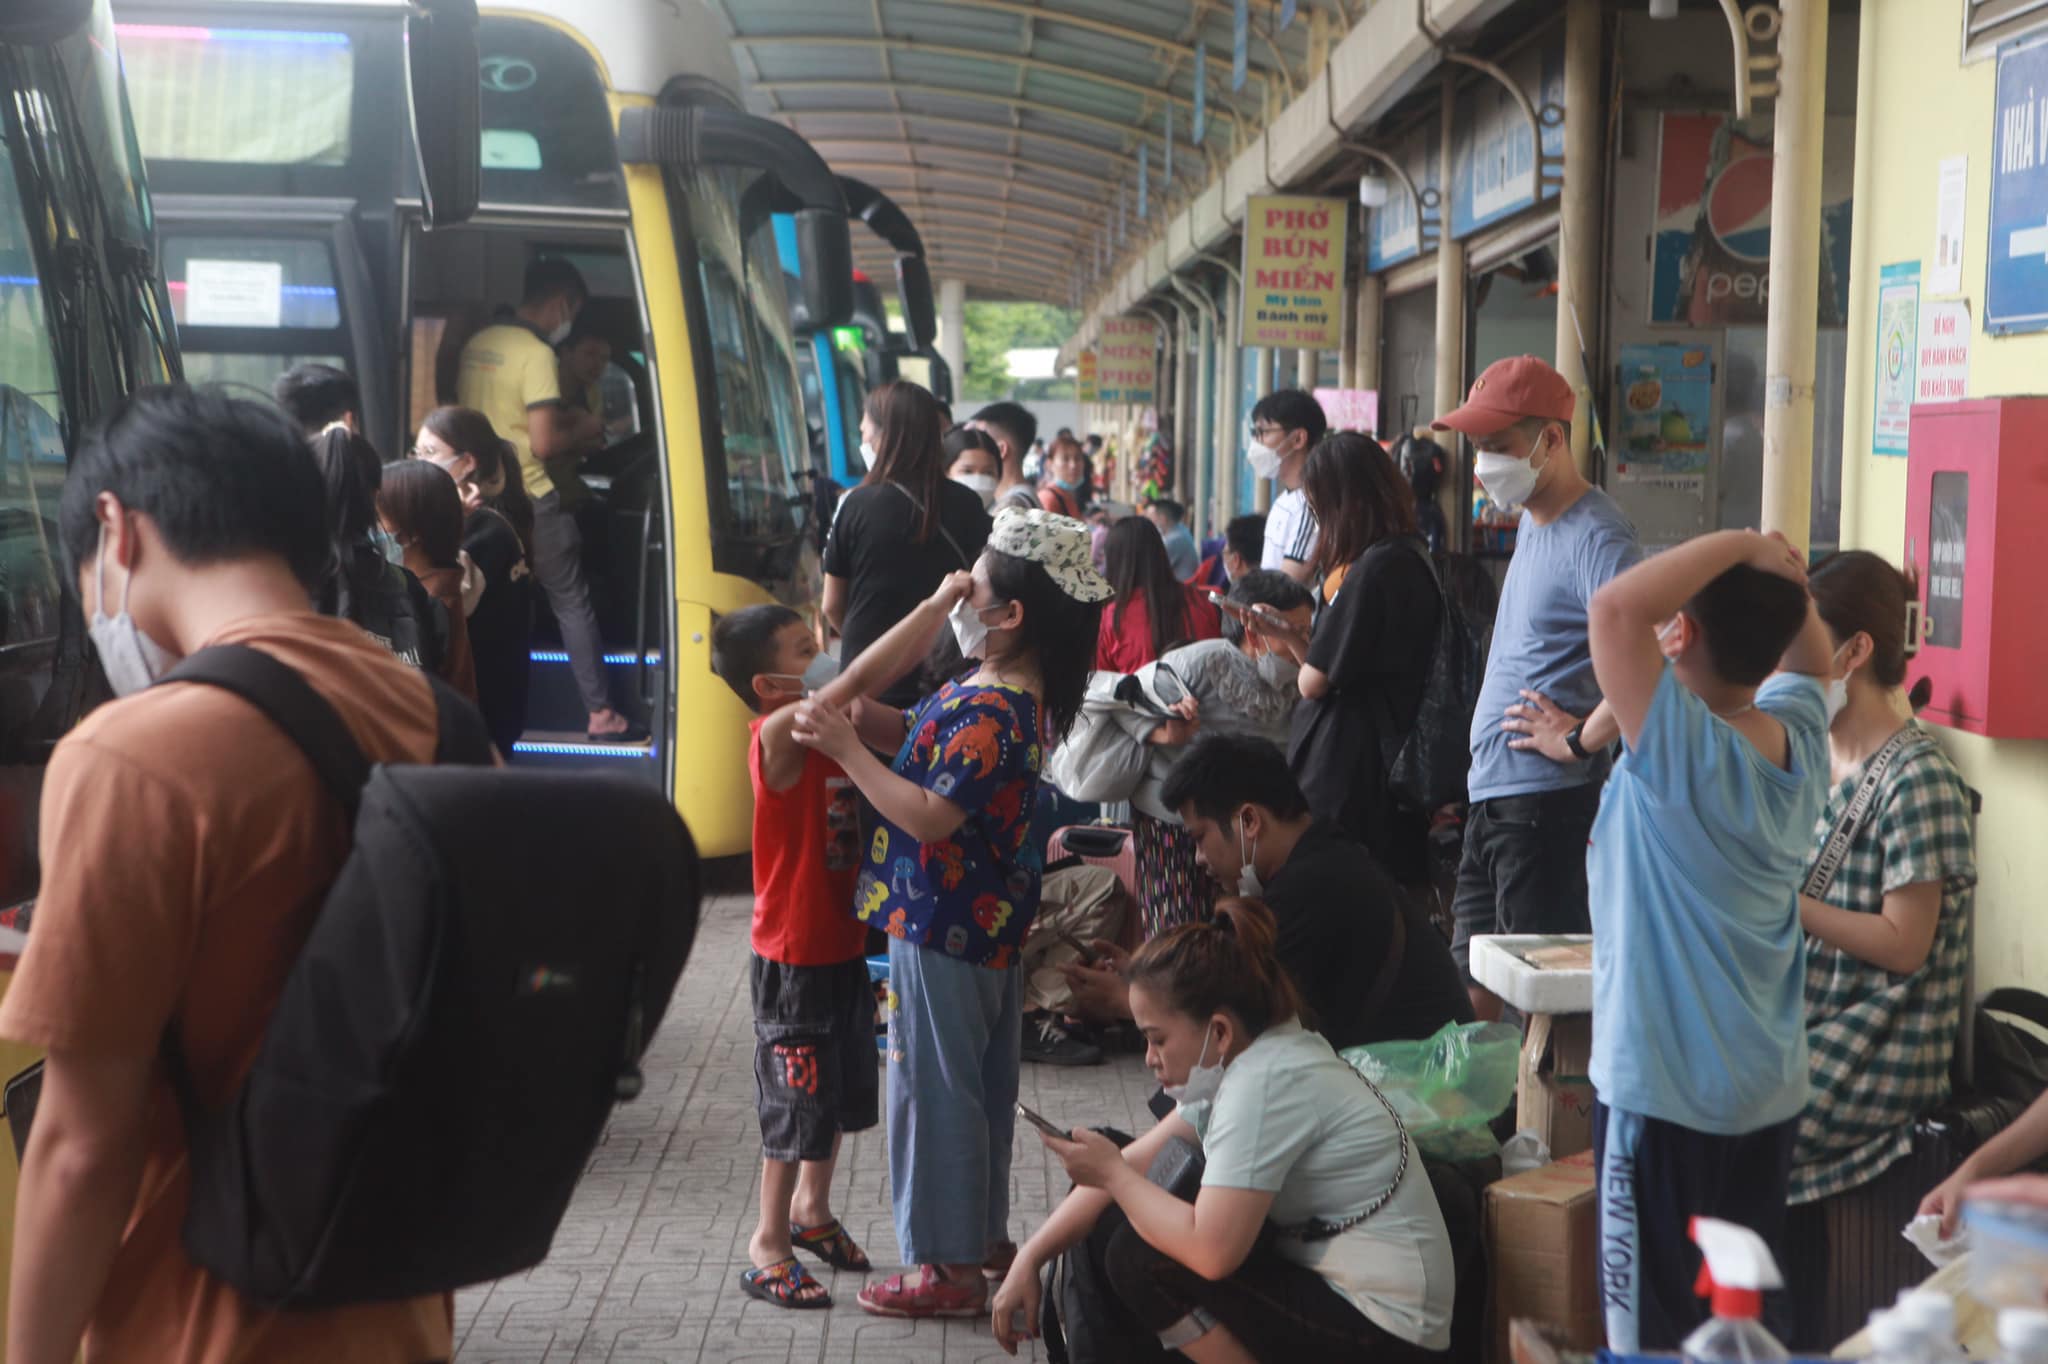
x: 186, y: 847
x: 806, y: 858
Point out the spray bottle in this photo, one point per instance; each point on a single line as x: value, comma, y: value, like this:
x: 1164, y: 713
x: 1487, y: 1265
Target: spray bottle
x: 1738, y: 1271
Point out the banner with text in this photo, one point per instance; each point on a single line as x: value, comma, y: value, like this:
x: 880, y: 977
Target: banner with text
x: 1090, y: 381
x: 1294, y: 254
x: 1127, y: 361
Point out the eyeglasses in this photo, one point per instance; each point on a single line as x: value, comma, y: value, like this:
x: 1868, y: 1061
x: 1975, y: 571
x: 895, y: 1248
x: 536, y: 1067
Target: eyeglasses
x: 1266, y: 429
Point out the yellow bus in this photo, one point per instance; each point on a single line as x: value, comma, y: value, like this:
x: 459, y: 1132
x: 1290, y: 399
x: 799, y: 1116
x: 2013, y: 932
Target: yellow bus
x: 612, y: 135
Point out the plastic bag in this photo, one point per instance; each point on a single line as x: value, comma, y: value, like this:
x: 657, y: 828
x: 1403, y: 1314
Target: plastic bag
x: 1523, y: 1152
x: 1449, y: 1087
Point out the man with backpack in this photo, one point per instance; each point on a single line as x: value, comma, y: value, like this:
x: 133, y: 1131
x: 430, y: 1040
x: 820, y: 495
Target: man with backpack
x: 186, y: 847
x: 1539, y: 733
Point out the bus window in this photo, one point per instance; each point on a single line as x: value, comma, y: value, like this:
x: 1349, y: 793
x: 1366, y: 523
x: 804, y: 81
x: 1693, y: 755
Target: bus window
x: 274, y: 97
x: 752, y: 466
x: 249, y: 308
x: 547, y: 128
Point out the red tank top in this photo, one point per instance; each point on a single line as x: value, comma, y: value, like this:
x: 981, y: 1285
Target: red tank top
x: 806, y: 856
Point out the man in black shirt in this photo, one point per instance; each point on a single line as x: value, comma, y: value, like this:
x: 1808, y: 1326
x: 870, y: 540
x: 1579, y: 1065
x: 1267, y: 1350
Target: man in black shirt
x: 1363, y: 978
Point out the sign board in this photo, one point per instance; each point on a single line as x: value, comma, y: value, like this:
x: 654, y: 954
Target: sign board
x: 1941, y: 371
x: 1393, y: 234
x: 1493, y: 156
x: 1294, y: 253
x: 1667, y: 414
x: 234, y: 293
x: 2016, y: 257
x: 1351, y: 409
x: 1088, y: 382
x: 1951, y: 206
x: 1898, y: 342
x: 1711, y: 249
x: 1127, y: 361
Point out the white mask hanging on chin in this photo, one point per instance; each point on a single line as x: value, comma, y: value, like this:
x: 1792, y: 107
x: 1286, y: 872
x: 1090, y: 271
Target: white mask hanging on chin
x: 130, y: 659
x: 1248, y: 882
x: 1202, y: 1083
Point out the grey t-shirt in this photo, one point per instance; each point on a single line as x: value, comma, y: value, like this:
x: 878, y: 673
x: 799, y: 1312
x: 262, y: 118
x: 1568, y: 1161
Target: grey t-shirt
x: 1234, y: 698
x: 1539, y: 641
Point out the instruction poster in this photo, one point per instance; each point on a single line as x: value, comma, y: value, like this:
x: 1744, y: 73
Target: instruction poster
x: 1898, y: 341
x: 1294, y: 254
x: 1126, y: 361
x: 1942, y: 366
x: 1667, y: 415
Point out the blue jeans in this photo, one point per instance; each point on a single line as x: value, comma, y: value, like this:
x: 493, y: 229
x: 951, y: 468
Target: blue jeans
x: 955, y: 1049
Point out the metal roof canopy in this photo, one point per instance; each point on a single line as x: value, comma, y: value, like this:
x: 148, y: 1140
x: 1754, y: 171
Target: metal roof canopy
x: 1043, y: 104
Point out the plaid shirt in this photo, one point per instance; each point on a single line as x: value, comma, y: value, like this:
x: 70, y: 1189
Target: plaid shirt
x: 1879, y: 1043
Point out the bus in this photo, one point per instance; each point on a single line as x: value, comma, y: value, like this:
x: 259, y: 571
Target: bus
x: 84, y: 321
x: 839, y: 366
x: 610, y: 135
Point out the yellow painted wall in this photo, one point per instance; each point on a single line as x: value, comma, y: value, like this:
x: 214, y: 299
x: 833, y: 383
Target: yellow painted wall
x: 1916, y: 104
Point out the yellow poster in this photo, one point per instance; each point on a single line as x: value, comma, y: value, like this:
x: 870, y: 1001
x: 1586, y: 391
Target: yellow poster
x: 1091, y: 391
x: 1126, y: 361
x: 1294, y: 254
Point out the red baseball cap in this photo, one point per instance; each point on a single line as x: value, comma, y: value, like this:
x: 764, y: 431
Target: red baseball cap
x: 1511, y: 389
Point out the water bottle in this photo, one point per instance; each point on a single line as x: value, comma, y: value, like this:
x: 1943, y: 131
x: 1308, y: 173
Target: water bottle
x: 1933, y: 1314
x: 2023, y: 1335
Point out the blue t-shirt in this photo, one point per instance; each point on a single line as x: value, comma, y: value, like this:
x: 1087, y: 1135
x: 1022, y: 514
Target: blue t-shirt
x: 1181, y: 552
x: 1699, y: 969
x: 972, y: 895
x: 1539, y: 641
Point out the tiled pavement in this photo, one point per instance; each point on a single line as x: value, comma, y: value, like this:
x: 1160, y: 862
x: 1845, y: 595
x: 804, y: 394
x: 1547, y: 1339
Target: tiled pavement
x: 646, y: 1265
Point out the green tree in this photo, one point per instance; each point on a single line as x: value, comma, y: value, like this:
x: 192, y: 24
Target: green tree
x: 994, y: 329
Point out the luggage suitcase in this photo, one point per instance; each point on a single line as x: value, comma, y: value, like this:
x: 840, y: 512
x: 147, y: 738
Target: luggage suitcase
x: 1103, y: 845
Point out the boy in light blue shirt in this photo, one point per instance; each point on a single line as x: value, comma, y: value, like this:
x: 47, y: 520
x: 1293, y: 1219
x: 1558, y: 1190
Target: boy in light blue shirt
x: 1699, y: 1037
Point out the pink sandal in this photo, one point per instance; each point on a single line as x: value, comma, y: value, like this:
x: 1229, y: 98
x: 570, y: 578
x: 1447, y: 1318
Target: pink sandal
x: 934, y: 1295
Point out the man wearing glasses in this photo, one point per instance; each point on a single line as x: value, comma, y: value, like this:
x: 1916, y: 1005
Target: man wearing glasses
x: 1286, y: 425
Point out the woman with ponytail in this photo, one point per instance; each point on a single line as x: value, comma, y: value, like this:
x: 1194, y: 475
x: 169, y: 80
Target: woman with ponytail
x: 1315, y: 1234
x: 1887, y: 935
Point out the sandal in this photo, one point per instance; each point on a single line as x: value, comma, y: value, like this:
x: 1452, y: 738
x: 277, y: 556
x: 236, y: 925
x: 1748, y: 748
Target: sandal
x: 782, y: 1284
x: 934, y: 1295
x: 996, y: 1267
x: 829, y: 1242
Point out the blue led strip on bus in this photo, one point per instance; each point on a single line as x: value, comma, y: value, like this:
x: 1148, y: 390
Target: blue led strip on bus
x: 558, y: 656
x: 585, y: 750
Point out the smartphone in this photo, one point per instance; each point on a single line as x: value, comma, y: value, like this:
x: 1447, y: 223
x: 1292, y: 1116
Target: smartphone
x: 1043, y: 1124
x: 1227, y: 606
x: 1087, y: 954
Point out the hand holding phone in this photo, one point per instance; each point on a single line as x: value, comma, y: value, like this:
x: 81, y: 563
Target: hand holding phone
x: 1043, y: 1124
x: 1228, y: 607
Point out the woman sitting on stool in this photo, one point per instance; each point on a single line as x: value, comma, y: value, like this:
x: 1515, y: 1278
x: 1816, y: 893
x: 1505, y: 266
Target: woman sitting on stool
x: 1315, y: 1234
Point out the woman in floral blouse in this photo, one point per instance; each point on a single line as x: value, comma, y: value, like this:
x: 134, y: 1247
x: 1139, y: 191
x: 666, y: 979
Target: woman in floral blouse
x: 1887, y: 941
x: 950, y: 877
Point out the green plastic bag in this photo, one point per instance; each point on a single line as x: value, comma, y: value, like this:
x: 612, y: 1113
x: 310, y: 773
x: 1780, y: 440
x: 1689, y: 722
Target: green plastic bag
x: 1448, y: 1088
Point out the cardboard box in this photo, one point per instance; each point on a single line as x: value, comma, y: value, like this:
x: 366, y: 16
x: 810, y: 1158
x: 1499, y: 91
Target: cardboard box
x: 1542, y: 1239
x: 1553, y: 1097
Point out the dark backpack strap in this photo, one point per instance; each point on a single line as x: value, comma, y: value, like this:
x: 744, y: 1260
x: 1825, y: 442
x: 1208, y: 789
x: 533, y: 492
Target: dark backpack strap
x: 290, y: 703
x: 464, y: 739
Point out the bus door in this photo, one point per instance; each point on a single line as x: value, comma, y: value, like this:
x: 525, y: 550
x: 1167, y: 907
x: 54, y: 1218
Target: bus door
x: 258, y: 287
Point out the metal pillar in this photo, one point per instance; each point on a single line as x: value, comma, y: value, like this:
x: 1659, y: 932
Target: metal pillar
x: 1795, y: 271
x: 1365, y: 367
x: 1450, y: 329
x: 953, y: 327
x: 1262, y: 488
x: 1578, y: 295
x: 1306, y: 369
x: 1224, y: 504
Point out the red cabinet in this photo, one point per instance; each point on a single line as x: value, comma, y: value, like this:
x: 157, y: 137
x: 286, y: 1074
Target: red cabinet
x: 1977, y: 531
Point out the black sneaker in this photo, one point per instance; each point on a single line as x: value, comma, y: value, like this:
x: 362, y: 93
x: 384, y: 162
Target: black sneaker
x: 1049, y: 1043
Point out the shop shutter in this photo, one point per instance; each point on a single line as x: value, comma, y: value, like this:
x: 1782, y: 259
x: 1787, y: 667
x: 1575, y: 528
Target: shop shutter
x: 1987, y: 23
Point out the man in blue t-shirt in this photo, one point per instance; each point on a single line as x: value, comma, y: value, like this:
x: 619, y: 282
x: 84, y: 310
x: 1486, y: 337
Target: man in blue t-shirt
x: 1699, y: 1030
x: 1536, y: 766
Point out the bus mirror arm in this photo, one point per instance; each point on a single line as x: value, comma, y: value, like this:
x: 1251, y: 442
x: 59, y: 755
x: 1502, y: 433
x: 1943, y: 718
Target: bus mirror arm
x: 684, y: 137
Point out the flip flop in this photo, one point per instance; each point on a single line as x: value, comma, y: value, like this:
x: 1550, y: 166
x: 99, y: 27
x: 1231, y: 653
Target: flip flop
x: 830, y: 1243
x: 780, y: 1284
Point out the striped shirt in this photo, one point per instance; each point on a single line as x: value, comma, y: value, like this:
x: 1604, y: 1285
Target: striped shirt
x: 1290, y: 531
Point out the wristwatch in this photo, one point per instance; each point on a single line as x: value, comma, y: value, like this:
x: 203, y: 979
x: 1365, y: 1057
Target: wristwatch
x: 1571, y: 741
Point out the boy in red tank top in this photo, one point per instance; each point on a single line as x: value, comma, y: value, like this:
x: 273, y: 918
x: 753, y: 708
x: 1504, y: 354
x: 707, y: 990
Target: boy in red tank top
x: 815, y: 1065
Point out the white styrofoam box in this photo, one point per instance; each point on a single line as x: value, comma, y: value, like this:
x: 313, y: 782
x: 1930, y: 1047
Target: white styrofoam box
x: 1498, y: 963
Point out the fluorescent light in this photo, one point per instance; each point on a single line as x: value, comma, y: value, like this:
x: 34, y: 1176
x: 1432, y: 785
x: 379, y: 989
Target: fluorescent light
x: 1372, y: 189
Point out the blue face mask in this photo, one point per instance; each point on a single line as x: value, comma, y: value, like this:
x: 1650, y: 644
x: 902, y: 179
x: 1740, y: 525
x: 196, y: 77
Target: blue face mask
x: 1071, y: 485
x: 387, y: 545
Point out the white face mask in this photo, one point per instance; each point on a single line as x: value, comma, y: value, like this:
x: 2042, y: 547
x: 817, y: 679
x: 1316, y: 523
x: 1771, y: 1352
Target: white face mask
x: 982, y: 486
x: 1248, y: 883
x: 867, y: 455
x: 968, y: 629
x: 1279, y: 671
x: 561, y: 331
x: 130, y: 659
x: 1202, y: 1083
x: 1508, y: 481
x: 1264, y: 458
x: 1838, y: 698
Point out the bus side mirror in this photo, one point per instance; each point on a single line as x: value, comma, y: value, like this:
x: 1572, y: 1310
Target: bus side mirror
x: 442, y: 92
x: 914, y: 288
x: 825, y: 247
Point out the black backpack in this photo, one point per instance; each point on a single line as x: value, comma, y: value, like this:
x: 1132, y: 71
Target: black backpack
x: 477, y: 992
x: 1434, y: 759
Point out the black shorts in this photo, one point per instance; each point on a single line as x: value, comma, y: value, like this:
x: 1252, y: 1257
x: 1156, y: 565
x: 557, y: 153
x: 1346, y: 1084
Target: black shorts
x: 1524, y: 867
x: 816, y: 1070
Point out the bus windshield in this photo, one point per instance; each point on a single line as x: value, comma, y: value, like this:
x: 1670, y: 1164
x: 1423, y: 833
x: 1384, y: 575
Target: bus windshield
x: 757, y: 446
